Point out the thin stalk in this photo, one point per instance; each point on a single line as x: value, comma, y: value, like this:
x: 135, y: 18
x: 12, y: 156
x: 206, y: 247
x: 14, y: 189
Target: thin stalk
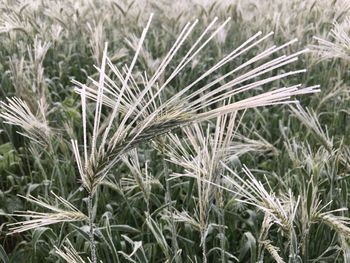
x: 174, y: 244
x: 91, y: 229
x: 222, y: 223
x: 202, y: 220
x: 306, y: 246
x: 293, y: 255
x: 204, y: 247
x: 260, y: 256
x: 56, y: 167
x: 203, y: 230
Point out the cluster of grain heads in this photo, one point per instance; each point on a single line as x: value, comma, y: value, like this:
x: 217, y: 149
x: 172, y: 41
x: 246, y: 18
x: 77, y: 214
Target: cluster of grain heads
x: 199, y: 155
x: 319, y: 202
x: 253, y: 192
x: 143, y: 110
x: 46, y: 43
x: 279, y: 210
x: 144, y: 113
x: 306, y: 17
x: 139, y: 109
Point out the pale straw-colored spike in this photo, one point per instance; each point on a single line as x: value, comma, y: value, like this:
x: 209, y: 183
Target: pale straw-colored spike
x: 185, y: 60
x: 173, y: 50
x: 17, y: 112
x: 84, y: 117
x: 126, y: 98
x: 150, y: 94
x: 145, y: 101
x: 269, y: 202
x: 280, y: 96
x: 110, y: 88
x: 310, y: 120
x: 243, y: 88
x: 178, y: 43
x: 125, y: 83
x: 266, y: 67
x: 98, y: 108
x: 38, y: 219
x: 76, y: 152
x: 339, y: 47
x: 235, y: 53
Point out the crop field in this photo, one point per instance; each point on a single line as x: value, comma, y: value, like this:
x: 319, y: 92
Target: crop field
x: 178, y: 131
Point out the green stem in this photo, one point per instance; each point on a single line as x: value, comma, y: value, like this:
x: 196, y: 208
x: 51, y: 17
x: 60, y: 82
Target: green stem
x: 204, y: 247
x: 174, y: 243
x: 91, y: 229
x: 222, y: 223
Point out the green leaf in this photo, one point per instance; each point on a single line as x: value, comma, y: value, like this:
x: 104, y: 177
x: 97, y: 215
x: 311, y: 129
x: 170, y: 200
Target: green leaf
x: 158, y: 234
x: 3, y: 256
x: 248, y: 246
x: 8, y: 156
x: 38, y: 232
x: 309, y: 199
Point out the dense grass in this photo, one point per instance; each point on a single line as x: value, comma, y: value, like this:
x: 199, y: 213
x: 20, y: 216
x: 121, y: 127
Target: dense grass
x: 264, y: 184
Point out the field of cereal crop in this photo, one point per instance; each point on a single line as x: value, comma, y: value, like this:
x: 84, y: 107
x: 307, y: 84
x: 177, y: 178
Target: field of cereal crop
x: 174, y: 131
